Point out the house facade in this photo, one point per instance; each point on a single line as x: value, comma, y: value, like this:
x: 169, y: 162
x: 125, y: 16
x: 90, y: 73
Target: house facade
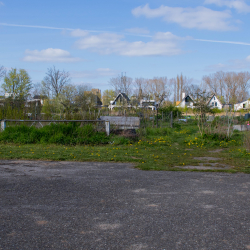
x: 187, y: 101
x: 242, y: 105
x: 214, y: 102
x: 122, y: 100
x: 149, y: 104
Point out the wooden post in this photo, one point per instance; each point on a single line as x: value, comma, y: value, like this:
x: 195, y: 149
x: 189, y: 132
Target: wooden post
x: 157, y: 118
x: 107, y: 126
x: 3, y: 125
x: 171, y: 119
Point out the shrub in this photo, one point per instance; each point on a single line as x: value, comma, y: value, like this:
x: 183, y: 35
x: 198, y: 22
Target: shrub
x: 171, y: 108
x: 54, y: 133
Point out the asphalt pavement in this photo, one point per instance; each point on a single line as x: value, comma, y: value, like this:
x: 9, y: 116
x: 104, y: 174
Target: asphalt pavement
x: 87, y: 205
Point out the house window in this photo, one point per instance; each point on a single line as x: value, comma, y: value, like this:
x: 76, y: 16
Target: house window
x: 215, y: 104
x: 214, y: 97
x: 212, y: 103
x: 244, y: 106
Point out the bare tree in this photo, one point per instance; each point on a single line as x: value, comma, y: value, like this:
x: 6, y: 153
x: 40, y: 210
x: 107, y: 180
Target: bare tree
x: 230, y: 87
x: 122, y: 83
x: 159, y: 89
x: 180, y: 84
x: 141, y: 88
x: 55, y: 80
x: 244, y: 82
x: 2, y: 71
x: 216, y: 83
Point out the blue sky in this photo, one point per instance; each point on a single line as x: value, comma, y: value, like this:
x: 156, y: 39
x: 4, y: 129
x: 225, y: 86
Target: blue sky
x: 96, y: 40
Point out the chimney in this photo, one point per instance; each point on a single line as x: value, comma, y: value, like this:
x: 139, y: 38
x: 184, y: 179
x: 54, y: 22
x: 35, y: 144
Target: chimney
x: 183, y: 95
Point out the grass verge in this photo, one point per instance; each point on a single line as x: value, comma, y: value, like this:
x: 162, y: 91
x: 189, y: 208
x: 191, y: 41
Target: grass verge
x: 168, y: 149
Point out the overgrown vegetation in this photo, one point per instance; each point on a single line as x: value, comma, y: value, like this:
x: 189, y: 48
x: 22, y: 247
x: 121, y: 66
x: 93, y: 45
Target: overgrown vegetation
x: 64, y: 134
x: 155, y: 149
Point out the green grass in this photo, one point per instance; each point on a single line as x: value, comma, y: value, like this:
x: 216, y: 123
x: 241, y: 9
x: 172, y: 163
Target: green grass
x: 157, y: 149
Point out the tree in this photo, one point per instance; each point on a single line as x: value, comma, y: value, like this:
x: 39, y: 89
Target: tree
x: 180, y: 84
x: 108, y: 95
x: 159, y: 89
x: 231, y: 87
x: 67, y: 98
x: 17, y: 83
x: 2, y: 71
x: 55, y: 80
x: 201, y: 109
x: 122, y: 84
x: 141, y: 90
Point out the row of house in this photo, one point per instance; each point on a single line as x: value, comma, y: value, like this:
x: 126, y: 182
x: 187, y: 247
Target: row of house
x: 122, y: 100
x: 213, y: 101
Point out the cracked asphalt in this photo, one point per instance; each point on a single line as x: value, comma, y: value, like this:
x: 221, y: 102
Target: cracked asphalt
x: 87, y: 205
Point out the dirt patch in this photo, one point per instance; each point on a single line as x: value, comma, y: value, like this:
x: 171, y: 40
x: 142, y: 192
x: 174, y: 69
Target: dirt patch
x: 207, y: 166
x: 216, y: 150
x: 208, y: 158
x: 202, y: 167
x: 129, y: 133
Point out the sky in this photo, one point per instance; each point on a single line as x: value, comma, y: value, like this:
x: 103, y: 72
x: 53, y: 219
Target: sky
x: 97, y: 40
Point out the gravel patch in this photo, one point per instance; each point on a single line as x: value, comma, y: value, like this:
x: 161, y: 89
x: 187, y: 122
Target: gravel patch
x: 88, y: 205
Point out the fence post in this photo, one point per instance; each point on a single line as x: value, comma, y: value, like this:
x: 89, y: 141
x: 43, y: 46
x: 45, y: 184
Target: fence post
x: 3, y: 125
x: 157, y: 118
x: 171, y: 119
x: 107, y: 125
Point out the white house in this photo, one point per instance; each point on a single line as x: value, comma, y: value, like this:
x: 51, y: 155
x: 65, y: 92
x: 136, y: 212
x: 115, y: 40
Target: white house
x: 122, y: 98
x: 187, y: 101
x: 149, y: 104
x: 214, y: 102
x: 242, y: 105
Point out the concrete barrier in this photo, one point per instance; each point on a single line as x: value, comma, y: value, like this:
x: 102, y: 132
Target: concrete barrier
x: 241, y: 127
x: 122, y: 122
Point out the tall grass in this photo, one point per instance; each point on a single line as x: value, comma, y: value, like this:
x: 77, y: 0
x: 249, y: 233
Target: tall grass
x: 66, y: 134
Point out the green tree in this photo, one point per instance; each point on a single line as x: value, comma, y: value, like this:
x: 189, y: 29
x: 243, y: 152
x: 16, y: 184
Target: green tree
x: 17, y: 83
x: 108, y: 95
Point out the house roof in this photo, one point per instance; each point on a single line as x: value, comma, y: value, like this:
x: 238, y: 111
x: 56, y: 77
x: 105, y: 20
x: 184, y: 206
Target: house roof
x: 121, y: 95
x: 241, y: 102
x: 186, y: 97
x: 214, y: 95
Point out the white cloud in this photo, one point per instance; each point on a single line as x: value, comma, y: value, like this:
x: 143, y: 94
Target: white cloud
x: 216, y: 41
x: 100, y: 72
x: 248, y: 58
x: 49, y: 55
x: 199, y: 17
x: 162, y: 44
x: 239, y: 5
x: 137, y: 31
x: 79, y: 33
x: 231, y: 65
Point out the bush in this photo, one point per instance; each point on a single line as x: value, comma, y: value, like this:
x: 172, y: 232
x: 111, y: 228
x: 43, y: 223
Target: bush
x: 171, y: 108
x: 54, y: 133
